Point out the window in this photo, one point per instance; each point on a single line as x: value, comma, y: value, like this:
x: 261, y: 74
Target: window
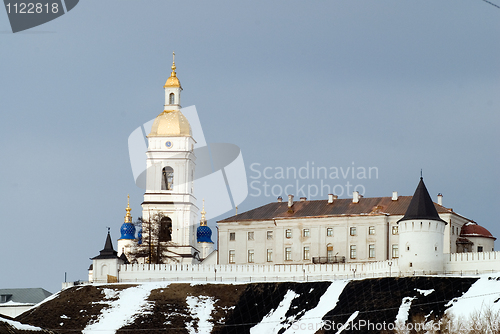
x: 171, y: 99
x: 479, y: 249
x: 165, y: 229
x: 250, y: 236
x: 329, y: 231
x: 395, y: 251
x: 232, y: 236
x: 250, y: 255
x: 269, y: 235
x: 231, y: 256
x: 371, y: 230
x: 453, y: 230
x: 395, y: 230
x: 353, y: 252
x: 329, y: 253
x: 288, y: 254
x: 4, y: 298
x: 269, y: 255
x: 306, y: 253
x: 192, y: 181
x: 288, y: 234
x: 307, y: 233
x: 352, y: 231
x: 407, y: 247
x: 167, y: 178
x: 371, y: 251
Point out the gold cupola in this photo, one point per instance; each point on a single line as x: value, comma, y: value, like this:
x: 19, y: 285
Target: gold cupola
x: 173, y: 81
x: 171, y: 122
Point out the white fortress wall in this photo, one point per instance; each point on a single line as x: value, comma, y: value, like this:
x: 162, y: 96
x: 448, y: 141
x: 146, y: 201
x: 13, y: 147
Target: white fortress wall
x: 140, y: 272
x: 480, y: 262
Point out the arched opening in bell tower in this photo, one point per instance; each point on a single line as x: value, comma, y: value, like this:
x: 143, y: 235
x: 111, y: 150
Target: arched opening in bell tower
x: 165, y: 229
x: 171, y: 98
x: 167, y: 178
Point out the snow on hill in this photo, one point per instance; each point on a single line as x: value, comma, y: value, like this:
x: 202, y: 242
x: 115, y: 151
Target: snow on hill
x: 11, y: 326
x: 356, y: 306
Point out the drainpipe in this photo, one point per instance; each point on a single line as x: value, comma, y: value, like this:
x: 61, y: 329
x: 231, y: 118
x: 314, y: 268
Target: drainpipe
x: 388, y: 237
x: 218, y: 238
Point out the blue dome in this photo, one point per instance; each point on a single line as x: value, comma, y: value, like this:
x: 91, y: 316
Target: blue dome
x: 204, y: 234
x: 139, y: 236
x: 128, y: 231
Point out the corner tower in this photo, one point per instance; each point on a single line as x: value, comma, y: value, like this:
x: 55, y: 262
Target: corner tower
x: 170, y: 178
x: 421, y: 235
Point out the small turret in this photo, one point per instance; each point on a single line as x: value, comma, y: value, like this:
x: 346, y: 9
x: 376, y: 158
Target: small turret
x: 105, y: 265
x: 204, y: 235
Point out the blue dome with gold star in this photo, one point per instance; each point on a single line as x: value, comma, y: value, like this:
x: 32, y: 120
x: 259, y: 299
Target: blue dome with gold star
x: 204, y: 234
x: 128, y: 229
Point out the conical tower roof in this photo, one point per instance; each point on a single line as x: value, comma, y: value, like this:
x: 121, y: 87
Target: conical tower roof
x: 108, y: 252
x: 421, y: 205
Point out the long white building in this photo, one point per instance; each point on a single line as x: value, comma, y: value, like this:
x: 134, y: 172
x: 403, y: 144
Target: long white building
x: 340, y: 230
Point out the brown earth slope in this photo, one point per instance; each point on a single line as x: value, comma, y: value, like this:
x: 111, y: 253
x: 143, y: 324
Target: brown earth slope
x: 235, y: 308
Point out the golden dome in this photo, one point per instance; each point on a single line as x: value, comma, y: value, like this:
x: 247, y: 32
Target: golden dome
x: 170, y: 123
x: 173, y: 81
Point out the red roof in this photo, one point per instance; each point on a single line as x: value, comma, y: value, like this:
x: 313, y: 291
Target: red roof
x: 474, y: 230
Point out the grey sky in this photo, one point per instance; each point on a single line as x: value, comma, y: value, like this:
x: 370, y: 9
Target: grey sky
x: 397, y: 85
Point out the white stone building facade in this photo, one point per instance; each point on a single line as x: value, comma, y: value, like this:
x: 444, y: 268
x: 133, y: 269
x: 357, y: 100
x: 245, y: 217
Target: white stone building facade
x: 356, y: 230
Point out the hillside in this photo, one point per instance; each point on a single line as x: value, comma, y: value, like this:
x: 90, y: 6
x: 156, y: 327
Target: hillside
x: 285, y: 307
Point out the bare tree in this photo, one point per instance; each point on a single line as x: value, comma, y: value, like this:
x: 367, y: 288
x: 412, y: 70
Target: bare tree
x: 156, y: 239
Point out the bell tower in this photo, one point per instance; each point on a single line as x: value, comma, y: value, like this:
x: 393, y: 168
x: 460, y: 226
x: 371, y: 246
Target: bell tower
x: 169, y: 179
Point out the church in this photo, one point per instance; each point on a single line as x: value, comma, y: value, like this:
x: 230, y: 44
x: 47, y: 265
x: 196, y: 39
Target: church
x: 413, y: 230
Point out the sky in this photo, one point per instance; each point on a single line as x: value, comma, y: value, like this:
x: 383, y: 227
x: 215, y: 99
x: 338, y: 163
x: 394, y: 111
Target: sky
x: 395, y: 86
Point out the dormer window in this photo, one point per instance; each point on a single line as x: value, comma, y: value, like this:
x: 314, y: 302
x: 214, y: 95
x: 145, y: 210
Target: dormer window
x: 5, y: 298
x: 171, y: 98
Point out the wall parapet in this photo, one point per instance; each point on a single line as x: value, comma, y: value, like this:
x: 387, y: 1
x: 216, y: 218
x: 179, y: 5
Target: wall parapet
x: 457, y: 264
x: 232, y: 272
x: 481, y: 256
x: 479, y: 262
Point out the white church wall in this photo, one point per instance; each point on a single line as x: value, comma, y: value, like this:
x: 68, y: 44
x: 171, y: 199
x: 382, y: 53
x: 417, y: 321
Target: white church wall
x: 472, y: 262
